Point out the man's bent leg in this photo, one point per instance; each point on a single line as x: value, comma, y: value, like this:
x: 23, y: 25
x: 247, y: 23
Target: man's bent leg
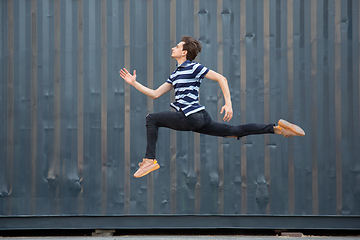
x: 172, y: 120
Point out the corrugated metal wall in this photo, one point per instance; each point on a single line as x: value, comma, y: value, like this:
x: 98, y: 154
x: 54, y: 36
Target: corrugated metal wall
x: 72, y: 132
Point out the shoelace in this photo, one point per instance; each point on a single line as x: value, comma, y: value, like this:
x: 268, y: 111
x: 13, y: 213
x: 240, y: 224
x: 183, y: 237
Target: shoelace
x: 145, y: 161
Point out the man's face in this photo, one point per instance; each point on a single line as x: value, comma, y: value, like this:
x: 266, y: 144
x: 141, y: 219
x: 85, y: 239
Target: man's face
x: 177, y: 51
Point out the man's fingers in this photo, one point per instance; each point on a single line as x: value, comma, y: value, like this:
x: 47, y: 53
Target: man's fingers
x: 124, y: 72
x: 228, y: 117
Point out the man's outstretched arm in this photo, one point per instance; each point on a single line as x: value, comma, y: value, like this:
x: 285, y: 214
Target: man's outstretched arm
x: 212, y: 75
x: 131, y: 79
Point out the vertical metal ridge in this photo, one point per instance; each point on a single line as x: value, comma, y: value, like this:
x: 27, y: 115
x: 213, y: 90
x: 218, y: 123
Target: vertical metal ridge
x: 267, y: 97
x: 243, y: 104
x: 150, y: 44
x: 33, y: 104
x: 173, y: 172
x: 10, y: 106
x: 197, y: 154
x: 150, y: 201
x: 80, y: 115
x: 196, y: 18
x: 103, y: 107
x: 290, y: 76
x: 197, y: 168
x: 314, y: 170
x: 150, y: 79
x: 127, y: 107
x: 220, y: 141
x: 54, y: 169
x: 338, y: 106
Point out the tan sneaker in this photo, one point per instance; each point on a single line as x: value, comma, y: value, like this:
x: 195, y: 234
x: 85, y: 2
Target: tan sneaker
x: 146, y: 166
x: 289, y: 129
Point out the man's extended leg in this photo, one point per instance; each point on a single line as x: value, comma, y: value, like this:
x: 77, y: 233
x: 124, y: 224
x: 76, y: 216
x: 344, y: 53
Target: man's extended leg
x: 218, y: 129
x: 214, y: 128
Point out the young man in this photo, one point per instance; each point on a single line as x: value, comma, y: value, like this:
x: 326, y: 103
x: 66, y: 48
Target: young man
x: 190, y: 115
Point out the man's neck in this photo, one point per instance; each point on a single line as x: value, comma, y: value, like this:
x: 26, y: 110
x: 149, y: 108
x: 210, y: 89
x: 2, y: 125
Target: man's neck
x: 180, y: 61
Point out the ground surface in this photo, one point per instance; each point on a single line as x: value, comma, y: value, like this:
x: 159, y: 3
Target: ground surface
x: 179, y: 234
x: 183, y: 238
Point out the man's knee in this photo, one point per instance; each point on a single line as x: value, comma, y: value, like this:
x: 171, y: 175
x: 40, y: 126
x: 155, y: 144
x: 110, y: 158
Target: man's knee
x: 150, y: 119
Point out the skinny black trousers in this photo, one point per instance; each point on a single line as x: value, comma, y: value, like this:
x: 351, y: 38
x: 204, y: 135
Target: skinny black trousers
x: 199, y: 122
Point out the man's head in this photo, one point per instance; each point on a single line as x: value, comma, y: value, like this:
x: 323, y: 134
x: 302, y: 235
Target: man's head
x: 192, y: 46
x: 188, y: 48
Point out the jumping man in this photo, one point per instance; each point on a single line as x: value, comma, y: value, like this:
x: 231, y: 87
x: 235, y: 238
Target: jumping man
x: 189, y: 114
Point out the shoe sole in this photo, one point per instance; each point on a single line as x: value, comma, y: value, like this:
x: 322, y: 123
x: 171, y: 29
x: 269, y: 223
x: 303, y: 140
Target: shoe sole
x: 151, y: 170
x: 292, y: 127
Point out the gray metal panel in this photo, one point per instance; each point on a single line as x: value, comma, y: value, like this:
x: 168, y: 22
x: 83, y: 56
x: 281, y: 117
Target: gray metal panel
x: 72, y: 132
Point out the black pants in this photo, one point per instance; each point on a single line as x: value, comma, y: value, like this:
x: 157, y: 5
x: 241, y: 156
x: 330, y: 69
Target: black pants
x: 199, y: 122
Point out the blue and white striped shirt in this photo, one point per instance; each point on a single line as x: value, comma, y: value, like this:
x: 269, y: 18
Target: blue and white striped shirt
x: 186, y: 80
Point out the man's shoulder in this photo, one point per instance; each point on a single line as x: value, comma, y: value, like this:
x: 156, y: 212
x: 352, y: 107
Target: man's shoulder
x: 188, y: 70
x: 192, y: 66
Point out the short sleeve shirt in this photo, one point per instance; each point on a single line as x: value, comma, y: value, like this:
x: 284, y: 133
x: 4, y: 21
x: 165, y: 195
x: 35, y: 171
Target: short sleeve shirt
x: 186, y: 80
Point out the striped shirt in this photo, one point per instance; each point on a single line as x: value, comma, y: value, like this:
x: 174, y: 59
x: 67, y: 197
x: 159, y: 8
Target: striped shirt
x: 186, y: 80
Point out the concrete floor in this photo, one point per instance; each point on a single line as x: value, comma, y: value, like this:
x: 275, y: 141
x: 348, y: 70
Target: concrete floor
x: 182, y: 238
x: 178, y: 234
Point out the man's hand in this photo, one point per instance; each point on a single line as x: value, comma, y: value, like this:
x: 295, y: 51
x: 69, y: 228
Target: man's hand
x: 228, y: 113
x: 131, y: 79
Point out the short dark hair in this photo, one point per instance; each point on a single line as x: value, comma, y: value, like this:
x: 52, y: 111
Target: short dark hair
x: 192, y: 46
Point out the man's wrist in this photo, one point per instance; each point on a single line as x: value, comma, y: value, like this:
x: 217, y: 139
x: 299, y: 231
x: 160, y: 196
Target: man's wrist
x: 228, y: 104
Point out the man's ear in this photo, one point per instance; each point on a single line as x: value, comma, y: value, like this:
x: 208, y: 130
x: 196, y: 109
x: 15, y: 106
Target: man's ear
x: 184, y: 52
